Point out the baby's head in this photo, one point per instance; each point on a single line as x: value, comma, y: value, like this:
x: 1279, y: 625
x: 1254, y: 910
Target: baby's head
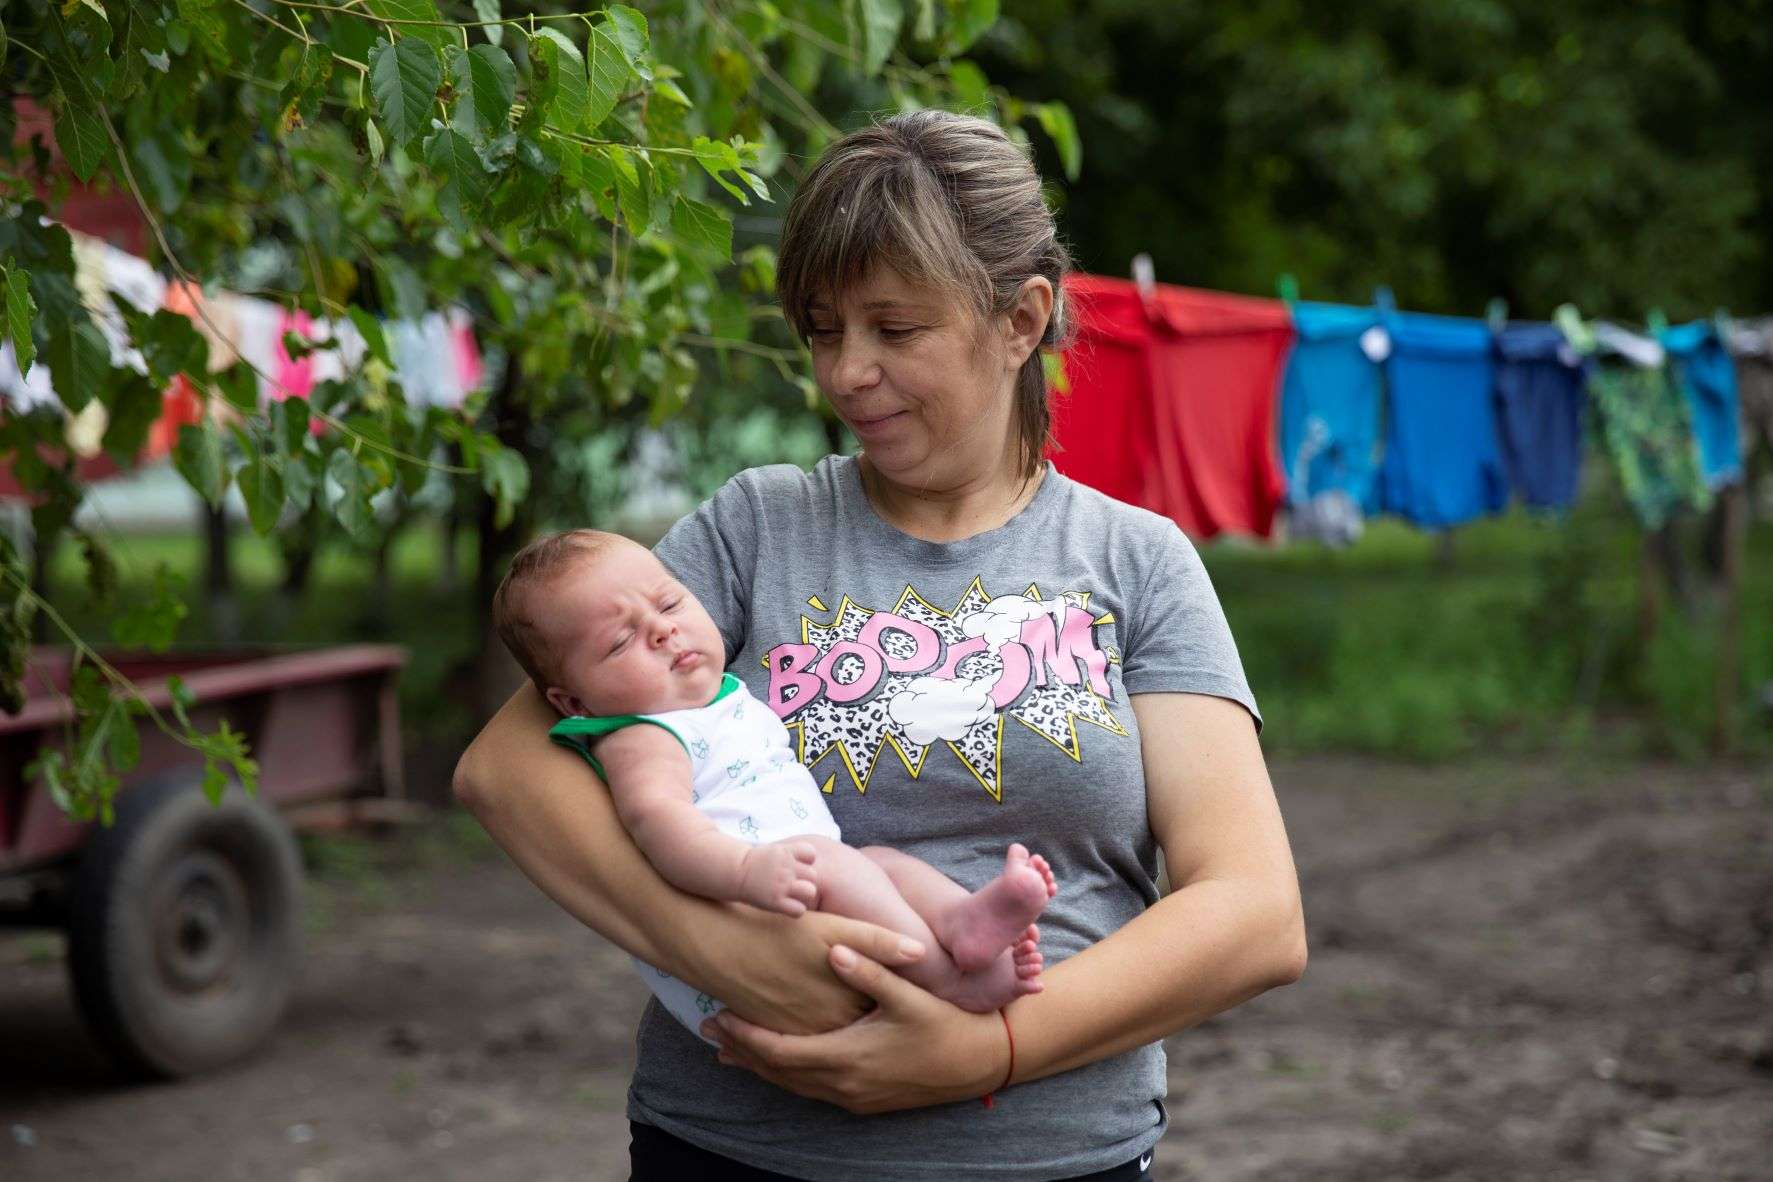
x: 602, y: 628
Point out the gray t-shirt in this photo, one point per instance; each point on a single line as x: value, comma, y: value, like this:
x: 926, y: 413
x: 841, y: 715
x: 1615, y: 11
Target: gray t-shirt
x: 951, y: 698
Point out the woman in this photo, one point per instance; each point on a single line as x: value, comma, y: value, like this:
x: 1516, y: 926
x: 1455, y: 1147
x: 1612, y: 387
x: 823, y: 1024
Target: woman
x: 933, y: 619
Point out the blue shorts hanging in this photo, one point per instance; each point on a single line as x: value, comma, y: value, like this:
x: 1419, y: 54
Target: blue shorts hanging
x: 1539, y: 385
x: 1443, y: 464
x: 1707, y: 376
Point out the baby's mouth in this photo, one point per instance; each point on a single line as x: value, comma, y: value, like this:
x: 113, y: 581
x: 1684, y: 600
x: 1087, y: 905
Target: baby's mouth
x: 688, y: 659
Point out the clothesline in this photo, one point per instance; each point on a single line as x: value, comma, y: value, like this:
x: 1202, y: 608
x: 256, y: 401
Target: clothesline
x: 1224, y: 411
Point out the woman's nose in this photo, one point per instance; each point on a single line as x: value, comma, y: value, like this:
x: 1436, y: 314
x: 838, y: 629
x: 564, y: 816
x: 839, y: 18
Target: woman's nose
x: 855, y: 367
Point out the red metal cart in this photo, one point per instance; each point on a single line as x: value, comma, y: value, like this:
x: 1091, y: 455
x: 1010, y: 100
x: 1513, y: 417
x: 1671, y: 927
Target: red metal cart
x: 183, y: 918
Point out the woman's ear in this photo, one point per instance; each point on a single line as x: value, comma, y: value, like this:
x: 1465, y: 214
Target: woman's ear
x: 1028, y: 319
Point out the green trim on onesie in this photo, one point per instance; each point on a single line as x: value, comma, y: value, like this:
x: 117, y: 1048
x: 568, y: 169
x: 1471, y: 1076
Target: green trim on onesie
x: 578, y: 733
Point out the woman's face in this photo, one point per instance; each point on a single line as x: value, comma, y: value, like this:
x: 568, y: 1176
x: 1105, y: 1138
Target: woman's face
x: 924, y: 386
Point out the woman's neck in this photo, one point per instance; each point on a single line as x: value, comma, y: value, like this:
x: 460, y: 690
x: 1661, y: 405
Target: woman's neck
x: 957, y: 508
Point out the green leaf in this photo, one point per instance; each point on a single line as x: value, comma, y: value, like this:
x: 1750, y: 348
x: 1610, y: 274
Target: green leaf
x: 505, y: 477
x: 262, y: 489
x: 81, y: 136
x: 465, y: 183
x: 631, y: 33
x: 301, y: 476
x: 371, y: 330
x: 79, y: 361
x: 970, y: 87
x: 403, y: 77
x: 609, y: 73
x: 1055, y: 120
x: 135, y: 404
x: 880, y: 21
x: 351, y: 500
x: 21, y: 310
x: 151, y: 621
x: 631, y: 189
x: 488, y: 10
x: 967, y: 22
x: 565, y: 92
x: 198, y: 458
x: 171, y: 345
x: 486, y: 83
x: 702, y: 227
x: 435, y: 34
x: 240, y: 387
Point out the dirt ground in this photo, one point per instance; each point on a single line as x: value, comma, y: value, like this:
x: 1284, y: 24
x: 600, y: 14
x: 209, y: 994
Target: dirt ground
x: 1518, y: 971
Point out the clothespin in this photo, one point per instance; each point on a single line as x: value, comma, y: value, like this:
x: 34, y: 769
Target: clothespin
x: 1287, y: 288
x: 1144, y: 275
x: 1497, y: 314
x: 1720, y: 323
x: 1384, y: 301
x: 1657, y: 320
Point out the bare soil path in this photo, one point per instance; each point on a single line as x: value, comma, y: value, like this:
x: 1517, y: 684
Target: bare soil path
x: 1519, y: 970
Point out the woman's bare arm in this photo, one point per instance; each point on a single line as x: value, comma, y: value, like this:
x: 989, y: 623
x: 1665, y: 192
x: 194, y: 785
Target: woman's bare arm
x: 554, y: 818
x: 1232, y: 926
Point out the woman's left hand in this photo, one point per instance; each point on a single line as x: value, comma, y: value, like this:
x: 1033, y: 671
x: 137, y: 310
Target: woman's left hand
x: 911, y: 1050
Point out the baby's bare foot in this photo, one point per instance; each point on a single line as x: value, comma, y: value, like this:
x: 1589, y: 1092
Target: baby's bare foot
x: 1015, y: 973
x: 981, y: 927
x: 780, y: 876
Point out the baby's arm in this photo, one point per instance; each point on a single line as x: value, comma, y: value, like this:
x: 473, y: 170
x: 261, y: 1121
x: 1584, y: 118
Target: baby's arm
x: 649, y: 778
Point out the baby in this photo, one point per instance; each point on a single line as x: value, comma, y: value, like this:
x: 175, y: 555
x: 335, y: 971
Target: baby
x: 702, y: 776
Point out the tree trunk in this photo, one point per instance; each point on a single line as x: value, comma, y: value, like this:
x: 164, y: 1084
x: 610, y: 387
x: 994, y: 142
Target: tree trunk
x: 219, y: 575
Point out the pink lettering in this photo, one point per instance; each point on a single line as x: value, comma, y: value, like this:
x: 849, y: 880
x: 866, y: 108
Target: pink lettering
x: 873, y: 665
x: 792, y: 689
x: 1077, y: 646
x: 929, y: 645
x: 1014, y: 679
x: 958, y: 653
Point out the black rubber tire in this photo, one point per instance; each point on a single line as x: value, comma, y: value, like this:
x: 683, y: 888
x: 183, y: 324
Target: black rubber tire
x: 184, y: 928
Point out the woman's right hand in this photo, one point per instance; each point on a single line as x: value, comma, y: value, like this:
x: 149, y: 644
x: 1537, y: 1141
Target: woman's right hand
x: 790, y: 987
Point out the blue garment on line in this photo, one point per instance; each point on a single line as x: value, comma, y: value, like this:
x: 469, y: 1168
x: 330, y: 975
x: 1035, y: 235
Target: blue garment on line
x: 1443, y: 464
x: 1539, y: 399
x: 1703, y: 366
x: 1329, y: 412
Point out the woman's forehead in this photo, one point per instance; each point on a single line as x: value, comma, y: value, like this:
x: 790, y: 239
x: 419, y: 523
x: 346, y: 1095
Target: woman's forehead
x: 881, y: 288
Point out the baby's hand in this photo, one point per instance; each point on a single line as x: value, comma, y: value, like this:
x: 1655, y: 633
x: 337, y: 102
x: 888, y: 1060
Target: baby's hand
x: 780, y: 876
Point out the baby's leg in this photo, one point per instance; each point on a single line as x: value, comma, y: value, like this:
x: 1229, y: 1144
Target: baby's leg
x: 974, y: 927
x: 852, y: 884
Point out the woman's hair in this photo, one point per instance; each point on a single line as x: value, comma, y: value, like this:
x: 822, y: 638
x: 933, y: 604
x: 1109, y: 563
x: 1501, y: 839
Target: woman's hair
x: 948, y: 201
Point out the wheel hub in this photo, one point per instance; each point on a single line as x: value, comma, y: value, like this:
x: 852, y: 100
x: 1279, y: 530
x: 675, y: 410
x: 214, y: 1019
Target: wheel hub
x: 202, y: 924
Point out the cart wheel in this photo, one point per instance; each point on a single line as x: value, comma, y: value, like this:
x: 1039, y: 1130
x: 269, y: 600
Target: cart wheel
x: 184, y: 930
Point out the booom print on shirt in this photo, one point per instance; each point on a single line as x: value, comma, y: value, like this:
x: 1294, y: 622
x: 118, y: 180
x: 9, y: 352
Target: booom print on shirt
x: 915, y: 675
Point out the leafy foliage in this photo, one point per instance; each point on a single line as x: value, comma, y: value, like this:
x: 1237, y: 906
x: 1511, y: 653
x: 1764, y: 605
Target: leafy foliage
x: 569, y: 176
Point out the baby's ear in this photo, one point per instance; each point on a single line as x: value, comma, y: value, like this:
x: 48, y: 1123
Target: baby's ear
x: 564, y: 703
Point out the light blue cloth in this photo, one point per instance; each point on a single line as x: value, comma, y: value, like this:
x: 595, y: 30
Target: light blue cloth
x: 1443, y: 463
x: 1707, y: 375
x: 1329, y: 412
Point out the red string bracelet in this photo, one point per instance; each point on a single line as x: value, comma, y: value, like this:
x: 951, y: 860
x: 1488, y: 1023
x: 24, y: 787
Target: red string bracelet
x: 1012, y: 1067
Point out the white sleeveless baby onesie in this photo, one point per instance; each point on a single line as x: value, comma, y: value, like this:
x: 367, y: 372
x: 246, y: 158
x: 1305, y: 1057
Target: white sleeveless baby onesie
x: 743, y: 777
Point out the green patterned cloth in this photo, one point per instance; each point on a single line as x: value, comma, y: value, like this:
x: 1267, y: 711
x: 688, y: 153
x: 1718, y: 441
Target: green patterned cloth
x: 1645, y: 422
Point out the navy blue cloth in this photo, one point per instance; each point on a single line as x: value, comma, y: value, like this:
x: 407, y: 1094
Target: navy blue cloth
x: 1539, y: 386
x: 1707, y: 375
x: 1443, y: 462
x: 1329, y: 412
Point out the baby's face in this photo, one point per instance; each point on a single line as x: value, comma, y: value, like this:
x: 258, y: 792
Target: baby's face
x: 631, y: 639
